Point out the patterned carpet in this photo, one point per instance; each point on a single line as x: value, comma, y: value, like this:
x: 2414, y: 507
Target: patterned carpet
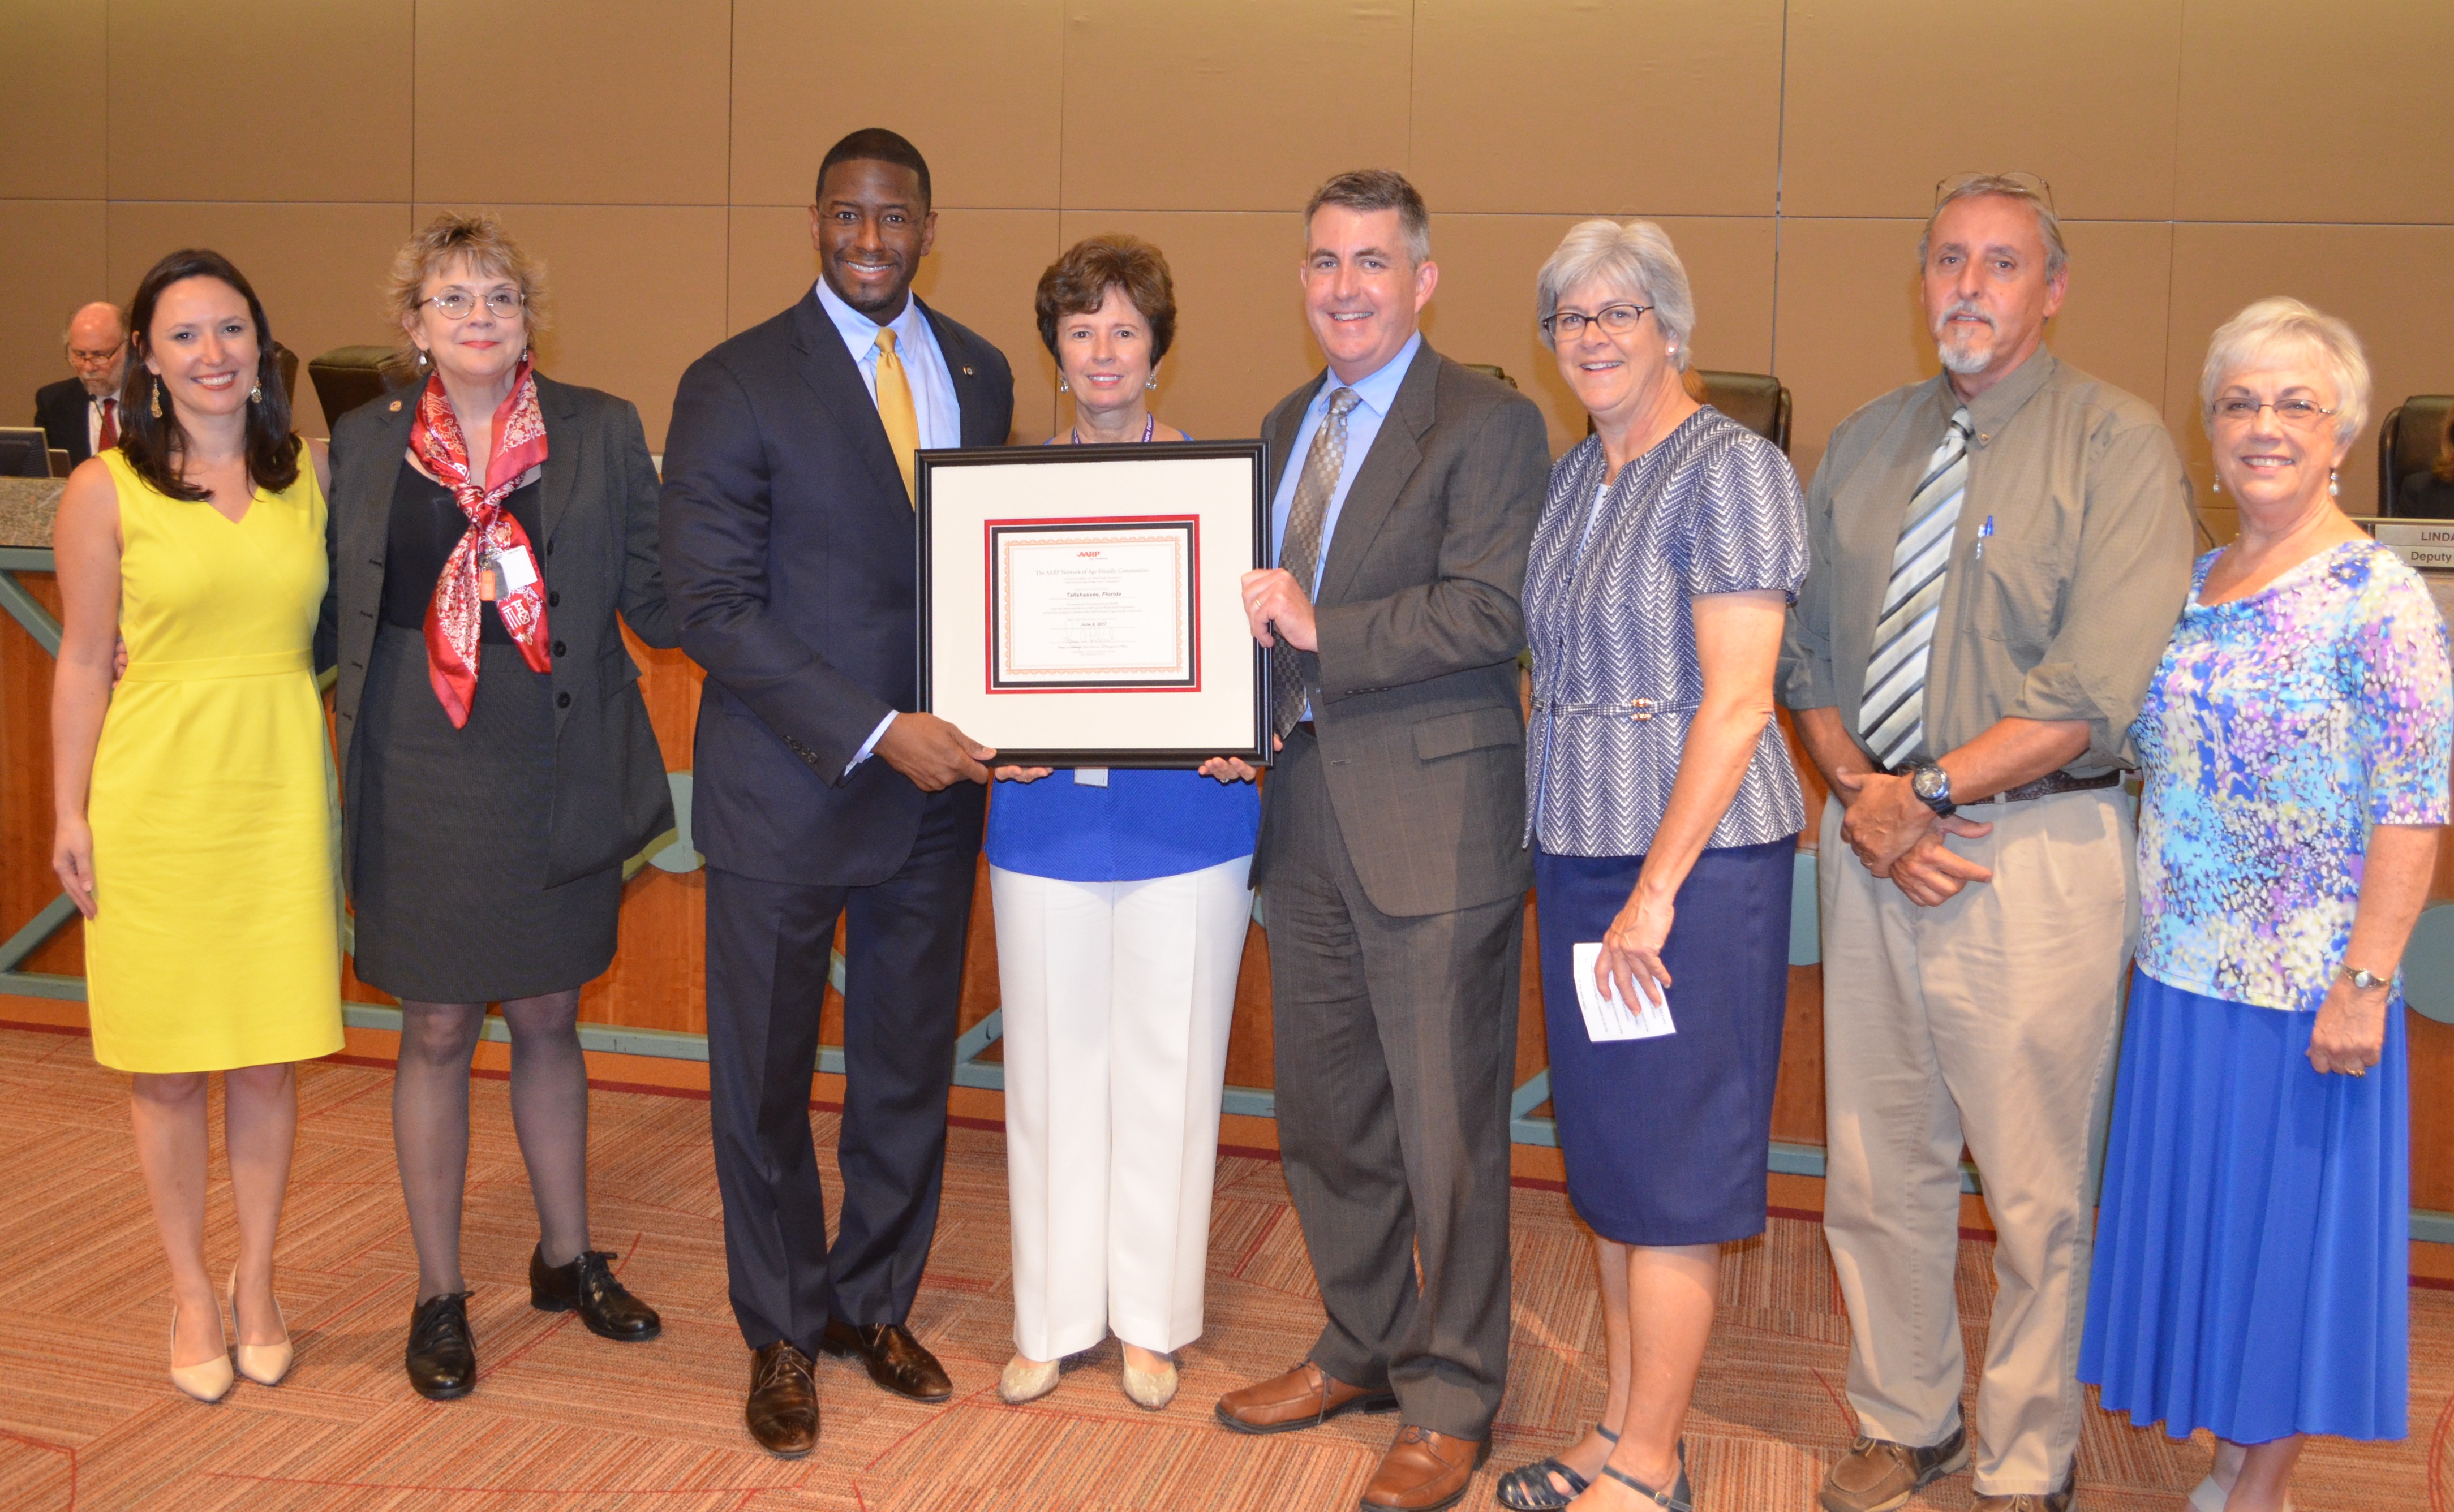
x: 562, y: 1419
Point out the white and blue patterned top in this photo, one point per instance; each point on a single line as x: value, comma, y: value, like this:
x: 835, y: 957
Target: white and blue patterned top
x: 2283, y: 727
x: 1713, y: 508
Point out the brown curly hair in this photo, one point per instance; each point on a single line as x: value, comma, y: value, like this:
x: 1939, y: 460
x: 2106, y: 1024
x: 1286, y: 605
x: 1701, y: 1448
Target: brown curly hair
x: 1078, y: 282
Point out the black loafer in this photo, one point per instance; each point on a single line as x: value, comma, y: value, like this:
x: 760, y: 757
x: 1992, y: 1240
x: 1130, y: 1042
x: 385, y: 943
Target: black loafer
x: 896, y: 1360
x: 442, y: 1356
x: 588, y: 1284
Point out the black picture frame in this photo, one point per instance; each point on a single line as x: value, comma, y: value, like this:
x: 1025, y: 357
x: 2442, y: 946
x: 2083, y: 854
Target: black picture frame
x: 939, y: 561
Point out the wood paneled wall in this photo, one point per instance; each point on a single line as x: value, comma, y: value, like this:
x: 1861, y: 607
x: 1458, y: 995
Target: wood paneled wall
x: 658, y: 156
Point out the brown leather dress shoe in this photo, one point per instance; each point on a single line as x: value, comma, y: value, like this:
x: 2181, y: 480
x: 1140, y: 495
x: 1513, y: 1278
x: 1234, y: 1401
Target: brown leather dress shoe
x: 783, y: 1409
x: 1305, y: 1396
x: 896, y: 1360
x: 1423, y: 1471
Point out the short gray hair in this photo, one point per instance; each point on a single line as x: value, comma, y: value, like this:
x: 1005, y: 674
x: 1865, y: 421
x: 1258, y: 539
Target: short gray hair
x: 2049, y: 225
x: 2257, y: 331
x: 1636, y: 257
x: 1367, y: 190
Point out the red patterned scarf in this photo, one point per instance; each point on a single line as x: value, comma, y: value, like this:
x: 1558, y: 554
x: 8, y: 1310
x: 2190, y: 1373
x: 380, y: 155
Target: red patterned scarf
x: 494, y: 539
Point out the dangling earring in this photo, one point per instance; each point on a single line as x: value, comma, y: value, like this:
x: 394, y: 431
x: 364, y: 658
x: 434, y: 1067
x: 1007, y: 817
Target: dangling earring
x: 157, y: 405
x: 255, y: 395
x: 2334, y: 485
x: 1064, y: 388
x: 1151, y: 383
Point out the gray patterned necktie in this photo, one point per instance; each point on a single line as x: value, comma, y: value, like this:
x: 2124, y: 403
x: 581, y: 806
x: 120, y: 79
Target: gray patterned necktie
x: 1300, y: 553
x: 1891, y: 716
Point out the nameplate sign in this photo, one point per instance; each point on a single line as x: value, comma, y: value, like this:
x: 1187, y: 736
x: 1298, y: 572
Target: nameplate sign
x: 2427, y: 545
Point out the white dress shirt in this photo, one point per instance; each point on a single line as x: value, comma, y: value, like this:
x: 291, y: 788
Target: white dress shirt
x: 932, y: 393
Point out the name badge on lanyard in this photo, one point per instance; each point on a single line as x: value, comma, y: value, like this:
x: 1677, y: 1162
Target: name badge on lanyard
x: 504, y: 573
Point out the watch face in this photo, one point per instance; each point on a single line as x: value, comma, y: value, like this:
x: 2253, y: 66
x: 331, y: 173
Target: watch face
x: 1928, y: 782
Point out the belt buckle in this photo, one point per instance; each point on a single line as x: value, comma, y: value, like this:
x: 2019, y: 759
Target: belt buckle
x: 1640, y: 710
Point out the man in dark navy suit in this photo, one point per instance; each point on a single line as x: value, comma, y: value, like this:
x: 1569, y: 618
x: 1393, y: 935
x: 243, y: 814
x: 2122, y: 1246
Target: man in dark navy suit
x: 820, y: 791
x: 79, y: 415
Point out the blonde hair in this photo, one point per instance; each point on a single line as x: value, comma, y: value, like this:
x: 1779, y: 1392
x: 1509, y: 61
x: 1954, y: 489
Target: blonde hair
x: 2283, y: 320
x: 478, y: 240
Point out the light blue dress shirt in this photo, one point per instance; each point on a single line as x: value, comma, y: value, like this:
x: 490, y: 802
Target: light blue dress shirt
x: 933, y: 392
x: 1374, y: 394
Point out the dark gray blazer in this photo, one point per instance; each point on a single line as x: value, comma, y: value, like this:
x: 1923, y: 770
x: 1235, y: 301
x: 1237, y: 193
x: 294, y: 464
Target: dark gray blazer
x: 599, y: 557
x: 1413, y: 690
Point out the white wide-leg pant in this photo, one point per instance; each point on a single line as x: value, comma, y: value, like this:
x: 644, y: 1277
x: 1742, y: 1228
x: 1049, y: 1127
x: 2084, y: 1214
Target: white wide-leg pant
x: 1118, y: 997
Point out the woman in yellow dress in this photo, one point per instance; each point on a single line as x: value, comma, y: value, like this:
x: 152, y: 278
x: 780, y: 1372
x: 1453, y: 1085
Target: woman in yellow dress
x: 196, y: 802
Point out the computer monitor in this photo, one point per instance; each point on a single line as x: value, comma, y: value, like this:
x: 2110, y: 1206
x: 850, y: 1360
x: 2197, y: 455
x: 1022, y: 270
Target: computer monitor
x: 25, y: 453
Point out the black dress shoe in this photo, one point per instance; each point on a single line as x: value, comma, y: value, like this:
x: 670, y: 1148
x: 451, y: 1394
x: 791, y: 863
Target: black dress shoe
x: 896, y: 1360
x: 442, y: 1354
x: 783, y: 1408
x: 587, y: 1284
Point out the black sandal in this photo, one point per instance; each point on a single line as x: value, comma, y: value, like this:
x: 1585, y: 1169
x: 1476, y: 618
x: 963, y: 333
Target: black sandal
x: 1528, y: 1487
x: 1678, y: 1499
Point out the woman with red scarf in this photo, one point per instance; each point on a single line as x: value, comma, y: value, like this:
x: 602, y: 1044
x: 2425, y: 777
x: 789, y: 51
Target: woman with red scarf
x: 497, y: 764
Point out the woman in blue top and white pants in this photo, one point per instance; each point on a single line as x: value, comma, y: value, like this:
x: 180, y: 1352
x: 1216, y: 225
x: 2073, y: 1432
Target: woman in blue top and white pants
x: 1121, y: 909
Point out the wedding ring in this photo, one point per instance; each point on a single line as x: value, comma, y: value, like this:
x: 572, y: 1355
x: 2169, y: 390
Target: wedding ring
x: 2358, y: 1070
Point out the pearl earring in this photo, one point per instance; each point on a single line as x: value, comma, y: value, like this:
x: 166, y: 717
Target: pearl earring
x: 1064, y: 388
x: 2334, y: 485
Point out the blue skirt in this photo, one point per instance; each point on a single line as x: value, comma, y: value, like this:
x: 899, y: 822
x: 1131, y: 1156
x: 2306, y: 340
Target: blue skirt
x: 2252, y: 1249
x: 1665, y: 1139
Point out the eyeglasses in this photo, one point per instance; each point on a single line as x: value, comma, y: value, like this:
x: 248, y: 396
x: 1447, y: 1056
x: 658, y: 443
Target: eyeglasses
x: 460, y: 304
x: 95, y: 359
x: 2300, y: 414
x: 1945, y: 188
x: 1615, y: 320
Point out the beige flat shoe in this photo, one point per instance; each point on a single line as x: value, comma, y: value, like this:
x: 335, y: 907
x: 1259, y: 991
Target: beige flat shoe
x: 1024, y: 1380
x: 207, y: 1380
x: 1151, y: 1391
x: 264, y: 1364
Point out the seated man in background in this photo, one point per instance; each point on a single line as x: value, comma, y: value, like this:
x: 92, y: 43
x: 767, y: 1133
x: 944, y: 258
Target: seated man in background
x: 79, y: 415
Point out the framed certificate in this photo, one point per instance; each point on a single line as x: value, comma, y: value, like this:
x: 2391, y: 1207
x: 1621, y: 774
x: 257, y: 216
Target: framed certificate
x: 1082, y: 605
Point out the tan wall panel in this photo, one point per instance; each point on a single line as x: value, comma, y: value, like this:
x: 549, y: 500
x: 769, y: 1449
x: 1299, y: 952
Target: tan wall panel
x: 1849, y: 326
x: 2112, y: 323
x: 983, y: 110
x: 260, y: 100
x: 1244, y: 105
x: 1484, y: 308
x: 1613, y: 92
x: 319, y: 269
x: 635, y: 294
x: 2376, y: 150
x: 2394, y: 284
x: 572, y: 102
x: 1240, y: 339
x: 982, y: 273
x: 53, y: 114
x: 51, y: 262
x: 1885, y: 99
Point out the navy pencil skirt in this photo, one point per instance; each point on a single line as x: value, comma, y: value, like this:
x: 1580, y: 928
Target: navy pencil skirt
x: 1665, y: 1139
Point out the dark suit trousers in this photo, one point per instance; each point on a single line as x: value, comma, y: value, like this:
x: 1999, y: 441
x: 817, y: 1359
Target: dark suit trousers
x: 768, y: 948
x: 1396, y: 1048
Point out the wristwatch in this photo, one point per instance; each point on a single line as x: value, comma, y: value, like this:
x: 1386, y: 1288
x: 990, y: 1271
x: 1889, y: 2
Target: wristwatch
x: 2362, y: 980
x: 1932, y: 786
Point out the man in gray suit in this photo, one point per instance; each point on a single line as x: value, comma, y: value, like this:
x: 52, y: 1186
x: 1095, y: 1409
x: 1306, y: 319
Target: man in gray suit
x: 1390, y: 872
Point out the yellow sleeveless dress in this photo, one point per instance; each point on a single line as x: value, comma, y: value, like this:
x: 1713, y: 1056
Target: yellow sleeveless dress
x: 216, y: 936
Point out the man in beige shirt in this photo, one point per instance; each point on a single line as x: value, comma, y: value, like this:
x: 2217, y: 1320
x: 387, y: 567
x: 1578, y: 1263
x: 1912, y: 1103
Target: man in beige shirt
x: 1999, y: 556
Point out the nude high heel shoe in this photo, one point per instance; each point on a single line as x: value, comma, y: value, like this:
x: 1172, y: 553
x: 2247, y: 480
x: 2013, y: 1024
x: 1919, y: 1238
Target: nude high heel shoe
x: 206, y: 1381
x: 264, y: 1364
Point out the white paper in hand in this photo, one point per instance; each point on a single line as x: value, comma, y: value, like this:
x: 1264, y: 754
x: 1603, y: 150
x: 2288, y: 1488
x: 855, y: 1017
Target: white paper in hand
x: 1606, y: 1016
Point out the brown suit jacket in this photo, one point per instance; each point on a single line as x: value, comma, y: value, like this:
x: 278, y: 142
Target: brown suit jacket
x: 1414, y: 691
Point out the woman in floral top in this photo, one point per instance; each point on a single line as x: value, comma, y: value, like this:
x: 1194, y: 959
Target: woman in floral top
x: 2250, y: 1263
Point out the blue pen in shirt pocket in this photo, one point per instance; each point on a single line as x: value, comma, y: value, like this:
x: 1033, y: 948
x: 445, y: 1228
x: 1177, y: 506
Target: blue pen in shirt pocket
x: 1983, y: 532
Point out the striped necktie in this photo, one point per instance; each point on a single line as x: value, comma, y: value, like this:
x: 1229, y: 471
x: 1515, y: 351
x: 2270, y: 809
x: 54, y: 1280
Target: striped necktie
x: 895, y: 414
x: 1300, y: 550
x: 1892, y: 714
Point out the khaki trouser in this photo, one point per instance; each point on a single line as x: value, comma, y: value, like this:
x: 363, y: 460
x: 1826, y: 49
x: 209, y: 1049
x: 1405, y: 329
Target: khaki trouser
x: 1990, y: 1019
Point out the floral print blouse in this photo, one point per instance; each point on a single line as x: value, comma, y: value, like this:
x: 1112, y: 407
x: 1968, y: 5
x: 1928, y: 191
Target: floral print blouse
x: 2279, y: 728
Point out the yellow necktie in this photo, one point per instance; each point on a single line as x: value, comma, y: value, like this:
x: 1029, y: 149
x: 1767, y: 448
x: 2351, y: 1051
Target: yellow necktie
x: 896, y: 412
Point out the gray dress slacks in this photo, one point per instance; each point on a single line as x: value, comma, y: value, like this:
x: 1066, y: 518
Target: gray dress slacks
x: 1396, y: 1054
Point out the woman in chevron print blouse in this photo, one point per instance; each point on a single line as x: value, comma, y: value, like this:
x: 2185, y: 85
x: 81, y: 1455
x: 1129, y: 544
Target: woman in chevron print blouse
x: 1663, y: 811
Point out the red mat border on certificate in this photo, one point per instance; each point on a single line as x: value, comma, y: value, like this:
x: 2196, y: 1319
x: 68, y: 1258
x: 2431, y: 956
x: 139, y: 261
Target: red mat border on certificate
x: 1191, y: 608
